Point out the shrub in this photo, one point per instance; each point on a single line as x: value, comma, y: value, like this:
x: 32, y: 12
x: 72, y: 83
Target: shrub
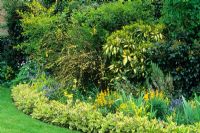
x: 182, y: 20
x: 36, y: 22
x: 12, y: 56
x: 83, y: 117
x: 126, y: 49
x: 111, y: 16
x: 25, y: 98
x: 180, y: 55
x: 57, y: 45
x: 72, y: 50
x: 182, y: 62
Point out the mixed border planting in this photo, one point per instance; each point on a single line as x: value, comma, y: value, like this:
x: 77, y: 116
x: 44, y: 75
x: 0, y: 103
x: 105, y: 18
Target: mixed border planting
x: 84, y: 117
x: 105, y: 66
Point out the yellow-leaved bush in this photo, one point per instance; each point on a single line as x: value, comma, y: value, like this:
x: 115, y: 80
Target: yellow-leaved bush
x: 83, y: 117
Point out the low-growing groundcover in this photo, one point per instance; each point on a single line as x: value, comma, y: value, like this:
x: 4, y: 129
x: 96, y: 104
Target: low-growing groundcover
x: 13, y: 121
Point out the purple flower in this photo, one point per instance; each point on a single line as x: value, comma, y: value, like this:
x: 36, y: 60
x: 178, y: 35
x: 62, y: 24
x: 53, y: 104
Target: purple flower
x: 175, y: 103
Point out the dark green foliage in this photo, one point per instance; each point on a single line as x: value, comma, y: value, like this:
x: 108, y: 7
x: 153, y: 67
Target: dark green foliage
x: 158, y: 5
x: 182, y: 61
x: 180, y: 55
x: 112, y: 16
x: 188, y: 112
x: 182, y: 19
x: 6, y: 72
x: 9, y: 59
x: 160, y: 107
x: 8, y: 53
x: 27, y: 72
x: 11, y: 56
x: 13, y: 18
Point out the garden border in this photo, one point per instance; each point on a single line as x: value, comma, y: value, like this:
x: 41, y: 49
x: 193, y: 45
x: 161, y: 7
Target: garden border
x: 83, y: 117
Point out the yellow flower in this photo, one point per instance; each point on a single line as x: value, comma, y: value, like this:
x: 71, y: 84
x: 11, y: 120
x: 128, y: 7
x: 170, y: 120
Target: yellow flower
x: 157, y: 93
x: 146, y: 97
x: 152, y: 94
x: 106, y: 98
x: 123, y: 106
x: 69, y: 96
x: 161, y: 94
x: 100, y: 100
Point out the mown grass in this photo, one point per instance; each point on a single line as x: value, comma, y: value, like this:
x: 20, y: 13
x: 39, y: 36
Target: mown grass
x: 14, y: 121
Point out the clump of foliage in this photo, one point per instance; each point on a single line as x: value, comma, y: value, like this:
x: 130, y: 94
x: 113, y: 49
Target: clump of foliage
x: 50, y: 88
x: 6, y: 72
x: 182, y: 20
x: 188, y: 113
x: 157, y: 104
x: 180, y: 54
x: 181, y: 61
x: 54, y: 45
x: 126, y: 50
x: 26, y: 73
x: 111, y: 16
x: 159, y: 81
x: 36, y: 22
x: 105, y: 101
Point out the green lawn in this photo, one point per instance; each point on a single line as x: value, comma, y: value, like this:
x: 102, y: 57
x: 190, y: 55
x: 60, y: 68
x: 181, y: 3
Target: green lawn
x: 14, y: 121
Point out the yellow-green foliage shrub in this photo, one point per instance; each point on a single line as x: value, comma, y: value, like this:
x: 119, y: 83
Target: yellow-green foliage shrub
x: 53, y: 112
x: 27, y: 99
x: 82, y: 116
x: 36, y: 22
